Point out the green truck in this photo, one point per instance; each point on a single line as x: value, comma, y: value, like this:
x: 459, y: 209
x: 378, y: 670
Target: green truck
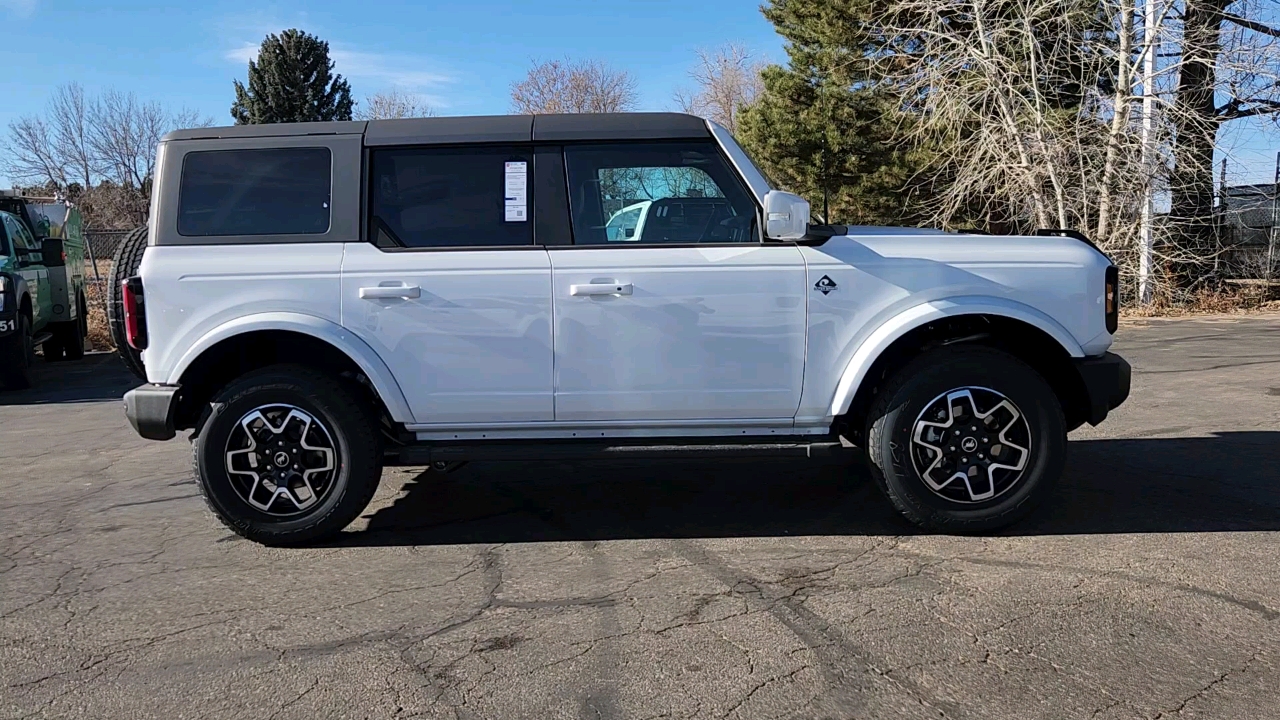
x: 42, y: 284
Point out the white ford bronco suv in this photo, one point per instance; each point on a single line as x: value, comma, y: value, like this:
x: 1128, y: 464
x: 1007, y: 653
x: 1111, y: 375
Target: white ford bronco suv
x: 316, y: 301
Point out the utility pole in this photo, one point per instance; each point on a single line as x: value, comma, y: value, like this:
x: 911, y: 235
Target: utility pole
x: 1146, y: 233
x: 1275, y: 220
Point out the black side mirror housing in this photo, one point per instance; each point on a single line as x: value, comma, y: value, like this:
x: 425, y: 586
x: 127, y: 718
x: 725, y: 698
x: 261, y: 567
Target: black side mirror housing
x: 51, y: 249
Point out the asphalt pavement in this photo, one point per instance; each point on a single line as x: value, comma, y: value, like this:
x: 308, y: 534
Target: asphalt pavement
x: 1146, y: 588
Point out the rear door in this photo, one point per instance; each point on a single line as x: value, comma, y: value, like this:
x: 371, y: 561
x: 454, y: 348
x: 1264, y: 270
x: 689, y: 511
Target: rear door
x: 683, y: 314
x: 451, y: 291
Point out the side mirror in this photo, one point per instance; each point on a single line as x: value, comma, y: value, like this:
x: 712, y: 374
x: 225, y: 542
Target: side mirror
x: 786, y: 216
x: 52, y: 250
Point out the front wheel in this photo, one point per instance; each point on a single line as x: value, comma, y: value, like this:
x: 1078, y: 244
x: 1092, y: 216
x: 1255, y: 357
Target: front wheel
x: 966, y: 439
x: 16, y: 355
x: 287, y: 456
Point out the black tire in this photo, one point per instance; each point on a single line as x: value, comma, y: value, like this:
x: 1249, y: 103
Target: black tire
x: 347, y: 423
x: 76, y: 332
x: 895, y: 458
x: 124, y: 266
x: 68, y: 339
x: 16, y: 356
x: 52, y: 347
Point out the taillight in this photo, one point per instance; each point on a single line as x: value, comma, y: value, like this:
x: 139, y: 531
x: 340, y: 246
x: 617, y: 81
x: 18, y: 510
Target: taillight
x: 135, y: 314
x: 1111, y: 298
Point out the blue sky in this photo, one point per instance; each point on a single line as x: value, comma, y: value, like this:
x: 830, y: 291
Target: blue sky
x: 460, y: 56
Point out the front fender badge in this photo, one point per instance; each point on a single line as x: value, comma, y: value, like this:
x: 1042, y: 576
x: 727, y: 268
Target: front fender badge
x: 825, y: 285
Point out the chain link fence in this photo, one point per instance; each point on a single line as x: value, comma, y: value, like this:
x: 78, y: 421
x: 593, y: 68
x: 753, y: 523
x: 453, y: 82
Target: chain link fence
x: 1250, y: 215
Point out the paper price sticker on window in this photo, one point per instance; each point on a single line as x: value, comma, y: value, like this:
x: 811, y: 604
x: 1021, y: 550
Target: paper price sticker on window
x: 516, y: 192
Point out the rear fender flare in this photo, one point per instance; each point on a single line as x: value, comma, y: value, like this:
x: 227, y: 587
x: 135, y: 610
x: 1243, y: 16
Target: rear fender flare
x: 353, y: 347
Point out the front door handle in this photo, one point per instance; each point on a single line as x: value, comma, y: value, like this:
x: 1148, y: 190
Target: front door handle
x: 600, y: 289
x: 383, y: 292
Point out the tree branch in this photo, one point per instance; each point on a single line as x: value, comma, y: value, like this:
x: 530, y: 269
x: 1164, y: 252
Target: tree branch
x: 1251, y: 25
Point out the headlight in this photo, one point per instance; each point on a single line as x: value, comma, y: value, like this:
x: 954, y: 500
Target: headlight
x: 4, y: 284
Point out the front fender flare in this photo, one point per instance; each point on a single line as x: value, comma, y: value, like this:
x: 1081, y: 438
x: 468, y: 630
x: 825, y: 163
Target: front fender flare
x: 344, y: 340
x: 916, y: 316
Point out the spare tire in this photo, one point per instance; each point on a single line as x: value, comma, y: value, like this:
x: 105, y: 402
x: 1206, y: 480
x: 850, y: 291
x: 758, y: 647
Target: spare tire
x: 124, y: 266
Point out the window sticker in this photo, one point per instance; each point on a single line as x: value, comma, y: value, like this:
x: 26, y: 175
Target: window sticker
x: 516, y: 194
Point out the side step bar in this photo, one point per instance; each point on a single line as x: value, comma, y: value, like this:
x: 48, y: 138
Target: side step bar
x: 428, y: 454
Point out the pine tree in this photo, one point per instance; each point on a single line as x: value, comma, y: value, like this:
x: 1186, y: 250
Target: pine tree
x: 821, y: 126
x: 292, y: 81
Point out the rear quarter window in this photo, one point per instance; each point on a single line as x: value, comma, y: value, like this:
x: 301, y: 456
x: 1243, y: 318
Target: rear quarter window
x: 276, y: 191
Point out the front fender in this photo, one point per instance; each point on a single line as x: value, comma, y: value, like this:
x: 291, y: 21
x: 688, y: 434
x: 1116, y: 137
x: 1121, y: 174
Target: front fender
x: 370, y: 364
x: 916, y: 316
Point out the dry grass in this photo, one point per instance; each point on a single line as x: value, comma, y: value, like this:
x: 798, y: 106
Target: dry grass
x: 99, y: 335
x: 96, y: 296
x: 1227, y: 301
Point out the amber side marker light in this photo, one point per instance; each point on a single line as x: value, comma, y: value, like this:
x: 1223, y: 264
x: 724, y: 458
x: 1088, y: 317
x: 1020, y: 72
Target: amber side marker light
x: 1111, y: 298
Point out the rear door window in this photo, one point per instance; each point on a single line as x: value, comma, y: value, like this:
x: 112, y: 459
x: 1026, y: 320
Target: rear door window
x: 451, y: 197
x: 276, y: 191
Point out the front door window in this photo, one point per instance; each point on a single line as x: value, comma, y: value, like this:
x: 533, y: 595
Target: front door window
x: 657, y: 193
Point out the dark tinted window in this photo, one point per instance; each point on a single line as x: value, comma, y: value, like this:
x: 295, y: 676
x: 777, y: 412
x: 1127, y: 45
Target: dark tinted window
x: 455, y: 197
x: 281, y: 191
x: 674, y: 193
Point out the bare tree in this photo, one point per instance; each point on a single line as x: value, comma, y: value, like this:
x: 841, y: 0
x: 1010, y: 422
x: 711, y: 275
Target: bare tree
x: 567, y: 86
x: 393, y: 104
x: 727, y: 80
x: 32, y: 153
x: 69, y: 117
x: 100, y: 149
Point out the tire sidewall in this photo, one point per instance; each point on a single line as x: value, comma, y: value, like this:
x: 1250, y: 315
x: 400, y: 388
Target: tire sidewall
x: 211, y: 465
x: 16, y: 356
x: 1011, y: 378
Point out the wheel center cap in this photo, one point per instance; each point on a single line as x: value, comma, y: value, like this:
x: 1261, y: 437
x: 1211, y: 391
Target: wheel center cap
x: 969, y: 444
x: 281, y: 459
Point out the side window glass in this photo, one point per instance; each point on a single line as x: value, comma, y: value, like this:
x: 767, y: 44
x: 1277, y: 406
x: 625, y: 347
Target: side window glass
x: 674, y: 193
x: 17, y: 232
x: 277, y: 191
x: 25, y: 234
x: 454, y: 197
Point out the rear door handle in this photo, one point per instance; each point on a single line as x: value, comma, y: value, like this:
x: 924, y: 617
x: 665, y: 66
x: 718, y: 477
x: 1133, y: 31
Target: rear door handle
x: 407, y: 292
x: 600, y: 289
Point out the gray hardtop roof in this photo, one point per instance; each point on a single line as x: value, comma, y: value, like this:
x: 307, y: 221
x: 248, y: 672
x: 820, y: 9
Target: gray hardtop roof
x: 480, y: 129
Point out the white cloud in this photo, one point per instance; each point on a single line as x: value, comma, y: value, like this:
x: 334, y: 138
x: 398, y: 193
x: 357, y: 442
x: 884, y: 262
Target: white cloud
x: 405, y: 72
x: 243, y: 54
x: 21, y: 8
x: 372, y: 72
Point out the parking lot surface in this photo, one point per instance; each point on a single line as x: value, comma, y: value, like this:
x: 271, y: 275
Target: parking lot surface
x: 1149, y: 587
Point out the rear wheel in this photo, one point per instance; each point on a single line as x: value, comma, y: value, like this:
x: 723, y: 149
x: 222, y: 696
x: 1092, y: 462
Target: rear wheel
x: 128, y: 258
x: 16, y: 355
x: 287, y: 456
x: 966, y: 439
x: 68, y: 338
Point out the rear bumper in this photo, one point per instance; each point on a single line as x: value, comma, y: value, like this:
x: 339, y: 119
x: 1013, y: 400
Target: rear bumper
x: 1106, y: 383
x: 150, y: 410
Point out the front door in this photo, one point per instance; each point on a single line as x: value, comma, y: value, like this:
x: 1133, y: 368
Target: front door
x: 32, y: 269
x: 668, y: 307
x: 451, y: 292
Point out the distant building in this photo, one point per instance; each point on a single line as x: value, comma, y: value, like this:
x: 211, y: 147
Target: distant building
x: 1248, y: 213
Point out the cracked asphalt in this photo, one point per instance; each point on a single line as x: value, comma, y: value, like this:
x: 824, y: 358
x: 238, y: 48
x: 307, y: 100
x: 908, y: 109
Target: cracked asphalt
x: 1147, y: 588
